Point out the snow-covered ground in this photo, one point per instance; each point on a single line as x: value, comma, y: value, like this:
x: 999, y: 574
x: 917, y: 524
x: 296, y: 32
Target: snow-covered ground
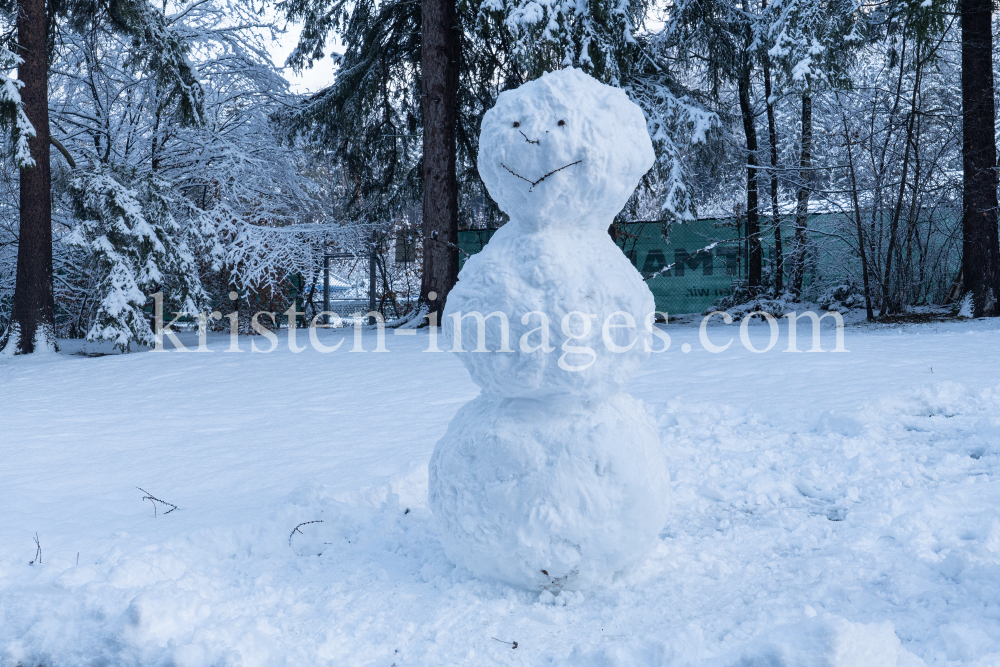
x: 807, y: 489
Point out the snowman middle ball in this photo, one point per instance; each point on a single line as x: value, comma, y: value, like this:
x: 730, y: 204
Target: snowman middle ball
x: 552, y: 279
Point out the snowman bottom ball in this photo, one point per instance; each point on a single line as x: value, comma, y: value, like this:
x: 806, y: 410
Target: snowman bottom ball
x: 554, y: 494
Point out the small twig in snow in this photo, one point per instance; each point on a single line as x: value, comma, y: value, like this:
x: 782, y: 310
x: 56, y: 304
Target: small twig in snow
x: 153, y: 499
x: 38, y: 552
x: 296, y: 529
x: 513, y: 644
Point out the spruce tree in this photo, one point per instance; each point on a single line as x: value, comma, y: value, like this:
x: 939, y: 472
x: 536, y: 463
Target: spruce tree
x: 373, y: 118
x: 722, y: 41
x: 134, y: 246
x: 159, y: 51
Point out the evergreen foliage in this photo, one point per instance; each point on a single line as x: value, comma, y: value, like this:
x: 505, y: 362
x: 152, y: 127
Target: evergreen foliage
x: 371, y: 117
x: 135, y: 247
x: 12, y: 116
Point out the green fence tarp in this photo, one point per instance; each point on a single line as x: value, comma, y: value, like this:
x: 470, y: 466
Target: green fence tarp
x: 695, y: 279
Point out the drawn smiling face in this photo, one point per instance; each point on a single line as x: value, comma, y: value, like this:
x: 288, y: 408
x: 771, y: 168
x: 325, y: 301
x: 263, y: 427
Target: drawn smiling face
x: 563, y: 151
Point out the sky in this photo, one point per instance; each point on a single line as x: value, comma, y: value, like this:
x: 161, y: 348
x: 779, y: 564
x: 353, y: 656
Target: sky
x: 311, y: 80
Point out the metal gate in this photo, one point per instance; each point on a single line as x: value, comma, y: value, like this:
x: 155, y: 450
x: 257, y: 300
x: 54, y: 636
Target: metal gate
x: 347, y: 306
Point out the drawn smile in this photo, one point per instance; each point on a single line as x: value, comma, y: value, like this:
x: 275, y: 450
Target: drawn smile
x: 534, y: 183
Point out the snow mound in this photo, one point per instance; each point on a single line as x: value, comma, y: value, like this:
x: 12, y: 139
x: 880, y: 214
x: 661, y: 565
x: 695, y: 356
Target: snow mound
x: 966, y: 307
x: 549, y: 495
x: 946, y: 399
x: 828, y: 641
x: 643, y: 654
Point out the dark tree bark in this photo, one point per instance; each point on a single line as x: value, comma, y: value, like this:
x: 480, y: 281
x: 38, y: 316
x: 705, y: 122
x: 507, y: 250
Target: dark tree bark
x: 753, y: 217
x: 857, y: 217
x: 772, y: 135
x: 33, y: 307
x: 439, y: 65
x: 802, y: 203
x: 980, y: 248
x: 754, y: 258
x: 891, y: 301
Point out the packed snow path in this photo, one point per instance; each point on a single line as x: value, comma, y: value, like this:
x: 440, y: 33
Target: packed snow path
x: 860, y: 485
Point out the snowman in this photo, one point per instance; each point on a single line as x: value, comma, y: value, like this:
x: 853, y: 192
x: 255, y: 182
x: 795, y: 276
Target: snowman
x: 553, y: 478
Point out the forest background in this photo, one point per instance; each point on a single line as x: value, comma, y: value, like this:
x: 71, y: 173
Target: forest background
x: 158, y: 149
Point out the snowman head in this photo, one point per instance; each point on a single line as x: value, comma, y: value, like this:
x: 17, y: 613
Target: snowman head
x: 563, y: 151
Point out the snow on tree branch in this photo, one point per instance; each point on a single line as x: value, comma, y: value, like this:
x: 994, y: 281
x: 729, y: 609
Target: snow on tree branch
x: 12, y: 117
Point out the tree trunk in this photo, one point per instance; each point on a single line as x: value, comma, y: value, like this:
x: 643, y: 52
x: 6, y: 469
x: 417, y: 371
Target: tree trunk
x: 753, y: 220
x: 857, y: 217
x: 802, y: 204
x: 440, y: 61
x: 980, y: 251
x: 889, y: 300
x: 33, y: 309
x: 772, y: 135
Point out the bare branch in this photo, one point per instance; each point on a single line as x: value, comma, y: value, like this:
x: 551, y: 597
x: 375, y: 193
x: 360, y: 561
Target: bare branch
x: 153, y: 499
x: 38, y: 552
x: 296, y: 529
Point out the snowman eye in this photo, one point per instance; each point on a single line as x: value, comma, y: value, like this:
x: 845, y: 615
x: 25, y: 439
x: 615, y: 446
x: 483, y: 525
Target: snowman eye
x: 561, y: 123
x: 517, y: 124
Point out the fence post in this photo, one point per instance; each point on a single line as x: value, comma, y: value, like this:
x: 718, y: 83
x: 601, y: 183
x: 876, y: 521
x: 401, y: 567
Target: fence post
x: 326, y: 289
x: 371, y: 280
